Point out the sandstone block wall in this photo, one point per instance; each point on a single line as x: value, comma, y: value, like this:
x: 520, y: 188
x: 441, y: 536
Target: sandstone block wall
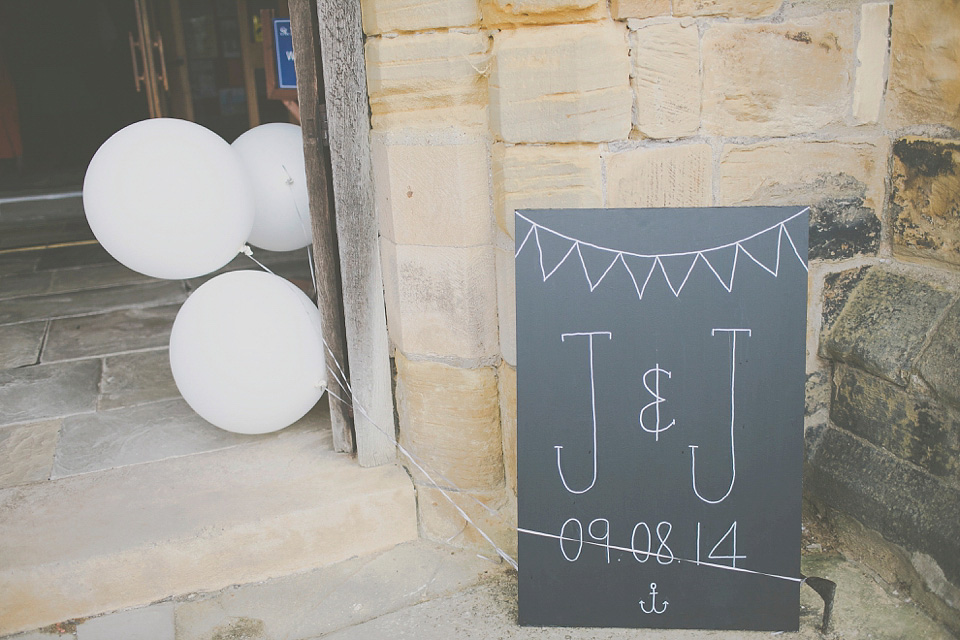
x: 482, y: 107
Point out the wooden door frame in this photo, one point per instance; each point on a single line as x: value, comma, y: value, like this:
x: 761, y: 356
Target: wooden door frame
x: 349, y: 229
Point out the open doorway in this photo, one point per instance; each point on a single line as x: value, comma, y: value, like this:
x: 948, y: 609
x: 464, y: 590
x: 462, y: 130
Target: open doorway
x: 74, y: 73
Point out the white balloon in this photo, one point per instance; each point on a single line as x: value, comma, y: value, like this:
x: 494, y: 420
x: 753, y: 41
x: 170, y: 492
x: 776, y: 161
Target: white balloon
x: 272, y: 155
x: 168, y: 198
x: 246, y: 352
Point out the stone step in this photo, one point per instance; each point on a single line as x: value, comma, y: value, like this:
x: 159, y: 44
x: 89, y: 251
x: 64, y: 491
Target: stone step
x: 125, y: 537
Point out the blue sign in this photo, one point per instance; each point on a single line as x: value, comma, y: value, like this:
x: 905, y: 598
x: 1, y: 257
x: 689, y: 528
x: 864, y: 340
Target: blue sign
x: 283, y: 47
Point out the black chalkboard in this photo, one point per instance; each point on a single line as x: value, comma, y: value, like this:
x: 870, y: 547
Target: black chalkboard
x: 660, y: 362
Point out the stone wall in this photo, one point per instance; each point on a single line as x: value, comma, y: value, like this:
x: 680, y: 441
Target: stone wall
x: 481, y: 107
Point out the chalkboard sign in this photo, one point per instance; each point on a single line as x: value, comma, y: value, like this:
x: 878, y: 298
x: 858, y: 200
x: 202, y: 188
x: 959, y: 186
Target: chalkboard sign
x: 660, y: 362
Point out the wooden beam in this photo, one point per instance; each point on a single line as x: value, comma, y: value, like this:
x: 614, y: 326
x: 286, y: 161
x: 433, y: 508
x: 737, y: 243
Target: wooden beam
x: 306, y: 51
x: 348, y: 120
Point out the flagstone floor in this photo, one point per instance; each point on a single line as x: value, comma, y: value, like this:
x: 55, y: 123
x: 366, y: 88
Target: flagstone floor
x: 85, y: 381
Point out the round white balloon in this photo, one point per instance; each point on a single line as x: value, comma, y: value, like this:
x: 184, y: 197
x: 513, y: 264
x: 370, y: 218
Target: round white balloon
x: 272, y: 155
x: 168, y: 198
x: 246, y: 352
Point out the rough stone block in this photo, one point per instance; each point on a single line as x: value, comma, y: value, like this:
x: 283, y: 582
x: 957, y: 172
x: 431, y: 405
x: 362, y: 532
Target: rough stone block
x: 884, y: 324
x: 726, y: 8
x: 508, y: 422
x: 433, y: 191
x: 675, y: 176
x: 924, y: 86
x: 450, y: 421
x: 817, y: 392
x: 382, y: 16
x: 872, y: 52
x: 909, y: 425
x: 112, y: 332
x: 666, y: 79
x: 568, y: 83
x: 940, y: 363
x: 836, y: 290
x: 507, y: 304
x: 428, y: 80
x: 136, y: 378
x: 441, y: 301
x: 503, y: 13
x: 926, y: 199
x: 544, y: 177
x: 26, y: 452
x: 764, y: 79
x: 905, y: 504
x: 21, y: 344
x: 623, y: 9
x: 31, y: 394
x: 843, y: 182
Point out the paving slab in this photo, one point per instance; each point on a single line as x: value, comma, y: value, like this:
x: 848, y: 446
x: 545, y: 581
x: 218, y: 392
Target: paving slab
x: 322, y: 601
x: 91, y: 301
x: 42, y: 209
x: 149, y: 623
x: 31, y: 394
x: 149, y: 432
x: 100, y: 542
x: 109, y: 333
x: 81, y: 255
x: 136, y: 378
x: 38, y: 233
x: 94, y: 277
x: 18, y: 262
x: 26, y: 452
x: 24, y: 284
x: 489, y: 610
x: 20, y: 344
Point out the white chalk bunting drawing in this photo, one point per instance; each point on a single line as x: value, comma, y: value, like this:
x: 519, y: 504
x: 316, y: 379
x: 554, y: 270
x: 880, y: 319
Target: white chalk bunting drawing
x: 647, y: 266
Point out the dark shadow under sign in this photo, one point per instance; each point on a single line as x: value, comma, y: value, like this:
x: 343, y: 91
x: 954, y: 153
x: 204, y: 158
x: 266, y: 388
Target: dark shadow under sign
x: 660, y: 416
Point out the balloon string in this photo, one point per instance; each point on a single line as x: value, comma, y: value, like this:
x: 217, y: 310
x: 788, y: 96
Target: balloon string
x: 343, y: 382
x: 247, y: 251
x: 417, y: 463
x: 500, y: 552
x: 349, y: 390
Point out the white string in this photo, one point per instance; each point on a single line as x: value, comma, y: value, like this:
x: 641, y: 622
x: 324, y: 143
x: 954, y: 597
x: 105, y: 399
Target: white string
x: 247, y: 251
x: 413, y: 458
x: 500, y: 552
x: 650, y: 554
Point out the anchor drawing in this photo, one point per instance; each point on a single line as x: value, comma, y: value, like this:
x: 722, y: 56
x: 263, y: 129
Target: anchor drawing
x: 653, y: 601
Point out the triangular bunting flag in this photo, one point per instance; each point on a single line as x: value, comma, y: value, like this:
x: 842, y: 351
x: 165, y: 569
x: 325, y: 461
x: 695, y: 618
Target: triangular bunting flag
x: 596, y: 262
x: 640, y: 270
x: 676, y: 270
x: 722, y: 262
x: 523, y: 232
x: 795, y: 227
x: 554, y: 250
x: 764, y: 249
